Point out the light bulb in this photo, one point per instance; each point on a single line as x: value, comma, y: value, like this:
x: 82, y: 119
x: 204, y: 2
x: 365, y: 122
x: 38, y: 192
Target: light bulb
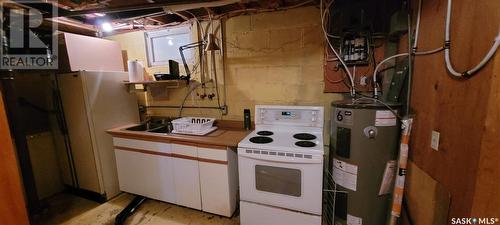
x: 107, y: 27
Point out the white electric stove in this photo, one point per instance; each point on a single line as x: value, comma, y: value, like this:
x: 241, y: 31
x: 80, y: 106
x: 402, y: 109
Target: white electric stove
x: 281, y: 167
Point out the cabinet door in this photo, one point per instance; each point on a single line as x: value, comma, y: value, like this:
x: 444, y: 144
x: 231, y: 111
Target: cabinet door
x: 186, y: 176
x: 145, y: 172
x: 215, y: 181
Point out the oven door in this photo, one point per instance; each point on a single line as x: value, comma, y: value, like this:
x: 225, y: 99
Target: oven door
x: 282, y: 181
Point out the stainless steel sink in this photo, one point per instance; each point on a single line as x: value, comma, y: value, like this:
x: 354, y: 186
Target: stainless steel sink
x: 154, y: 124
x: 163, y: 130
x: 145, y: 127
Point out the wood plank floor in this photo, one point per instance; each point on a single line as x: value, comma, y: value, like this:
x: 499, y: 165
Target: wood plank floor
x: 62, y: 207
x: 149, y: 213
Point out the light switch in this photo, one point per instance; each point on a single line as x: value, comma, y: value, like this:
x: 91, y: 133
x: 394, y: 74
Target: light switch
x: 435, y: 140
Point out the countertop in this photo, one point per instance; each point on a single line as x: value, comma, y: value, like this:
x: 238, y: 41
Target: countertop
x: 223, y: 136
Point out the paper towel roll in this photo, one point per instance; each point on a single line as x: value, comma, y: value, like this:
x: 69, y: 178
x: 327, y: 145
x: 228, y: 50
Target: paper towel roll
x: 135, y: 71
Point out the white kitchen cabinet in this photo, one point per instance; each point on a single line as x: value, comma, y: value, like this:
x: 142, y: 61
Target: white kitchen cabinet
x: 186, y: 176
x: 218, y: 180
x: 144, y: 168
x: 192, y: 175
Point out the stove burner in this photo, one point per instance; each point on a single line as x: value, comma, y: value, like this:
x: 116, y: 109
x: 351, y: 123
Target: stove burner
x: 265, y: 133
x: 306, y: 144
x: 304, y: 136
x: 261, y: 140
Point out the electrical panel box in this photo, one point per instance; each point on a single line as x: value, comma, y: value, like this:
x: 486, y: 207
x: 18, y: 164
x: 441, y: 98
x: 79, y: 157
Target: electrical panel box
x: 355, y: 49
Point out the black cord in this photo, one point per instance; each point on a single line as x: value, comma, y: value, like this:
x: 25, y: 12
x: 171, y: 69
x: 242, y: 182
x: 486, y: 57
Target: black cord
x: 373, y: 58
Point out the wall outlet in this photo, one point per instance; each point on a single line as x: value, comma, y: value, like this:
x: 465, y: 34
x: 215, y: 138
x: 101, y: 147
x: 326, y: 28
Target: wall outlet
x: 224, y: 110
x: 435, y: 140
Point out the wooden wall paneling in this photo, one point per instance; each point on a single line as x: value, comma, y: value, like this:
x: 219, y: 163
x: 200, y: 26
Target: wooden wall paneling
x: 428, y: 200
x: 12, y: 209
x: 455, y: 108
x: 486, y: 197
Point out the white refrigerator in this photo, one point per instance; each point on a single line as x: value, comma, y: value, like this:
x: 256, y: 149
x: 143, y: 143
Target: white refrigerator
x: 94, y: 102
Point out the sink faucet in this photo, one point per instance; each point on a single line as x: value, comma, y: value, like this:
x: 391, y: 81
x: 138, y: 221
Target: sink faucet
x: 147, y: 118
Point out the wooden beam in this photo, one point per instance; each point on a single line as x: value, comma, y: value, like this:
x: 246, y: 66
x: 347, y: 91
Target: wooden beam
x: 166, y: 19
x: 129, y: 8
x: 241, y: 5
x: 68, y: 27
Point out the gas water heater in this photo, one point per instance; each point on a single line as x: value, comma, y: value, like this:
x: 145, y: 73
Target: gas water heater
x: 364, y: 142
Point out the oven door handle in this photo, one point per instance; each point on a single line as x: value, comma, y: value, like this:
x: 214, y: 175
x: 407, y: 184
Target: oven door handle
x: 283, y: 159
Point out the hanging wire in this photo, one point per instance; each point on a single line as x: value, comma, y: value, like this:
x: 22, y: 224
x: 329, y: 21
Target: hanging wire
x: 323, y: 16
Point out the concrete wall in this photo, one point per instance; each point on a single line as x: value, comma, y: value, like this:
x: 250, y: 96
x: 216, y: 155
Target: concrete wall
x: 272, y: 58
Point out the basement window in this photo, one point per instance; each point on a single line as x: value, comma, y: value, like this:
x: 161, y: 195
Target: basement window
x: 163, y: 45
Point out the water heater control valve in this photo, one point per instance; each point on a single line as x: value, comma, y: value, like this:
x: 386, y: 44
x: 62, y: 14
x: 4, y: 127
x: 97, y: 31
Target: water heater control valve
x: 370, y: 132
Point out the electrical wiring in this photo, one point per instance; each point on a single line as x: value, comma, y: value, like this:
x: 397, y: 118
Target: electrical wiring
x: 323, y: 14
x: 327, y: 77
x: 410, y: 61
x: 214, y: 69
x: 371, y: 61
x: 351, y: 76
x: 449, y: 66
x: 375, y: 89
x: 417, y: 29
x: 196, y: 19
x: 430, y: 52
x: 241, y: 11
x: 187, y: 95
x: 354, y: 73
x: 447, y: 46
x: 336, y: 81
x: 393, y: 111
x: 200, y: 64
x: 417, y: 26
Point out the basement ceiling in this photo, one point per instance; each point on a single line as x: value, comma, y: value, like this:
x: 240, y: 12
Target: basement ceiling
x: 150, y: 14
x: 86, y: 16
